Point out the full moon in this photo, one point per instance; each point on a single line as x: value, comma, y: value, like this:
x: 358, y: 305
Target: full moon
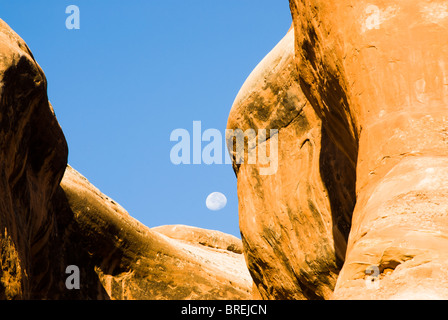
x: 216, y: 201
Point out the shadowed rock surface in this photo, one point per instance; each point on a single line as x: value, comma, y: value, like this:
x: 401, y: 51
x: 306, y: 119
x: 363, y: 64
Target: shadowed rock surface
x: 33, y: 156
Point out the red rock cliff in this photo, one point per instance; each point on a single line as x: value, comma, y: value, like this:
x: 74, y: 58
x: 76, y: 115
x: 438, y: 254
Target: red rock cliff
x: 361, y: 107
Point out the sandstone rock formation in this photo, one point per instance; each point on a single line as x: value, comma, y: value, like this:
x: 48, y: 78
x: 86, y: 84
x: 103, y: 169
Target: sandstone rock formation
x: 295, y: 222
x: 132, y: 261
x: 356, y: 207
x: 33, y: 155
x: 52, y: 217
x: 208, y: 238
x: 375, y: 75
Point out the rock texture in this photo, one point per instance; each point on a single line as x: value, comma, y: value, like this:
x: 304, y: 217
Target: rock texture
x: 33, y: 155
x: 294, y: 222
x: 385, y: 63
x: 52, y: 217
x: 208, y: 238
x: 354, y: 208
x: 130, y: 261
x: 375, y: 75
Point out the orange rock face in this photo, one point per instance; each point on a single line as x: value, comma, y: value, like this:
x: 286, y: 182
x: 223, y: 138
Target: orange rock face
x: 294, y: 221
x: 375, y: 74
x: 122, y: 259
x: 388, y: 61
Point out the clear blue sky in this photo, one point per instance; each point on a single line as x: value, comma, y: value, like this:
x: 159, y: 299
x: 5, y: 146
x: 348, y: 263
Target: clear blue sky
x: 135, y: 71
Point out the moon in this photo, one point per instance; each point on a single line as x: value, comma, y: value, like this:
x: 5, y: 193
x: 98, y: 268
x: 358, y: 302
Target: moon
x: 216, y: 201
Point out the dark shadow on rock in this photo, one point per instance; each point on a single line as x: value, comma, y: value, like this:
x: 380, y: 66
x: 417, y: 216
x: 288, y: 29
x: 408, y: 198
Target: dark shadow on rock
x: 72, y: 246
x: 339, y: 177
